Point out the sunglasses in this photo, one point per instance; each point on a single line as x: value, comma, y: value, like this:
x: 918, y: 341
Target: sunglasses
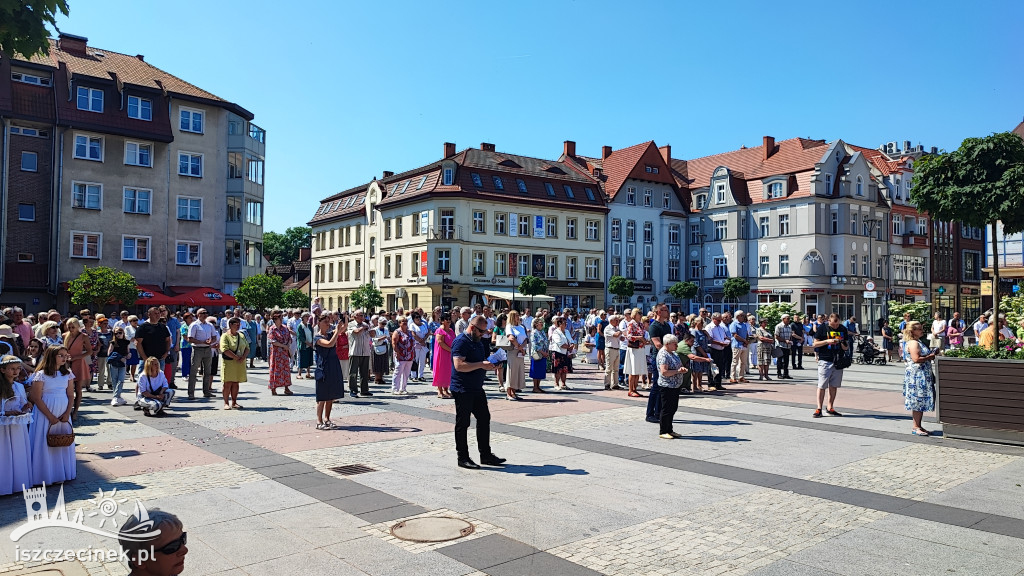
x: 174, y: 546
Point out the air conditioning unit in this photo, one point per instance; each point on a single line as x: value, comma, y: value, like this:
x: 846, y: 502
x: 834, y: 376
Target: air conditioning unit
x: 891, y: 147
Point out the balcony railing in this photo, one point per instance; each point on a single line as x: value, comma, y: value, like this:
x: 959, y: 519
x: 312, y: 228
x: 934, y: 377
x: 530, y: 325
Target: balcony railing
x: 445, y: 233
x: 912, y: 239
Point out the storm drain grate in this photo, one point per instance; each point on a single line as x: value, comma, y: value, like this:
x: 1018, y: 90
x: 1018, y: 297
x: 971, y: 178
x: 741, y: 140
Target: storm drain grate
x: 352, y: 469
x: 432, y: 529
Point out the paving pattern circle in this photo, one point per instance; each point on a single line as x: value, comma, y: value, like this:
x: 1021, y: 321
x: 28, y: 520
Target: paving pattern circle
x: 431, y: 529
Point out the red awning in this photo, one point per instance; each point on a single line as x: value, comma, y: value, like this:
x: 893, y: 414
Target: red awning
x: 206, y: 297
x: 151, y: 295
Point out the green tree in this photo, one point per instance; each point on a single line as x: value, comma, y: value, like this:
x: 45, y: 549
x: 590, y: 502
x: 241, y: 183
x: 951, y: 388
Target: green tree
x: 773, y: 312
x: 683, y: 290
x: 260, y: 292
x: 283, y: 249
x: 735, y: 288
x: 295, y: 298
x: 23, y: 25
x: 532, y: 286
x: 920, y: 311
x: 979, y: 184
x: 621, y: 287
x: 367, y: 297
x: 100, y: 286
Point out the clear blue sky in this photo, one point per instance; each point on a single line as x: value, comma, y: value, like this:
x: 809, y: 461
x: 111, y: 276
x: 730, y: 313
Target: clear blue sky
x: 348, y: 89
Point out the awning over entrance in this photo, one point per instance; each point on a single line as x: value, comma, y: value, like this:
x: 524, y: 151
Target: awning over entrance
x: 206, y: 297
x: 150, y: 295
x: 512, y: 295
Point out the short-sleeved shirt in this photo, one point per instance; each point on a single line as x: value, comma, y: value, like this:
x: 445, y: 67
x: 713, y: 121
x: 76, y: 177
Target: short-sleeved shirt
x: 659, y: 329
x: 826, y: 332
x: 741, y: 329
x: 174, y: 327
x: 154, y: 338
x: 202, y: 331
x: 471, y: 351
x: 599, y: 340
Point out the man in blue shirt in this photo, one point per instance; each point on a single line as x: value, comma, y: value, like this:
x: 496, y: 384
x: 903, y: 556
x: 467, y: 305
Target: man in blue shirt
x: 174, y: 327
x: 740, y: 347
x: 469, y: 358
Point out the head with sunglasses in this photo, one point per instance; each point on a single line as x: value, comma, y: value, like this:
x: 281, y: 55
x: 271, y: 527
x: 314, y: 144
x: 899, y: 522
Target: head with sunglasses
x: 164, y: 554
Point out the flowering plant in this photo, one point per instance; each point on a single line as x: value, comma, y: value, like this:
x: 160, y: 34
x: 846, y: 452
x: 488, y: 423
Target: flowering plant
x: 1007, y: 350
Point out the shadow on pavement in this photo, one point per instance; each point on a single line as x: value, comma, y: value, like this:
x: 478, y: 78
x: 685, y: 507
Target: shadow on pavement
x: 715, y: 438
x: 714, y: 422
x: 545, y: 470
x: 377, y: 429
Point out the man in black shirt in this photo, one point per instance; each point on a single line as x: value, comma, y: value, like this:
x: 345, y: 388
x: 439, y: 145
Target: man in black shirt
x: 152, y: 338
x: 469, y: 357
x: 658, y: 328
x: 796, y: 350
x: 831, y: 342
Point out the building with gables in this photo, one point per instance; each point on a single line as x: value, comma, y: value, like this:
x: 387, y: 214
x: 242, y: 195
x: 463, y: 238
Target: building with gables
x: 111, y: 161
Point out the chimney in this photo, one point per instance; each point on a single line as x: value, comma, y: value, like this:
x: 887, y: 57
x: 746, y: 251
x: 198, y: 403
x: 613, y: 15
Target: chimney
x: 71, y: 43
x: 666, y: 154
x: 304, y: 254
x: 449, y: 149
x: 387, y: 174
x: 140, y: 57
x: 769, y: 146
x: 487, y: 147
x: 569, y: 148
x: 606, y: 151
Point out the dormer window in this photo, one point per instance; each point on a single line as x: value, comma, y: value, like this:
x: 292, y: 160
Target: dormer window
x: 476, y: 180
x: 90, y: 99
x: 590, y: 194
x: 30, y: 79
x: 720, y: 193
x: 651, y: 169
x: 828, y: 183
x: 860, y: 186
x: 775, y: 190
x: 549, y: 189
x: 521, y: 184
x: 449, y: 176
x: 568, y: 190
x: 498, y: 184
x: 701, y: 201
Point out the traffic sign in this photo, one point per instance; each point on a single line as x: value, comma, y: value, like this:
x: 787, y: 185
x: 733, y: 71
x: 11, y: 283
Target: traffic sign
x: 870, y: 294
x: 869, y: 285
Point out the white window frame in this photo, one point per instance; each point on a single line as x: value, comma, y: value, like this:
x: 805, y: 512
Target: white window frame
x: 593, y: 230
x: 721, y: 230
x: 177, y: 207
x: 648, y: 197
x: 763, y: 266
x: 443, y: 256
x: 138, y: 147
x: 666, y: 200
x: 90, y: 95
x: 551, y: 226
x: 631, y: 231
x: 784, y: 265
x: 860, y: 186
x: 720, y: 193
x: 630, y: 196
x: 616, y: 229
x: 764, y: 226
x: 479, y: 263
x: 570, y: 228
x: 448, y: 177
x: 189, y: 243
x: 192, y: 112
x: 783, y: 224
x: 674, y: 234
x: 190, y: 156
x: 88, y: 147
x: 592, y: 268
x: 136, y: 238
x: 775, y: 190
x: 723, y: 263
x: 648, y: 232
x: 124, y: 200
x: 501, y: 264
x: 551, y: 270
x: 36, y: 80
x: 501, y: 223
x: 85, y: 244
x: 85, y: 204
x: 138, y: 105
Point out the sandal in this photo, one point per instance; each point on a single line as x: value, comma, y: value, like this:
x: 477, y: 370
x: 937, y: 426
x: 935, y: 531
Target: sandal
x: 920, y: 432
x: 329, y: 425
x: 634, y: 395
x: 226, y: 407
x: 288, y: 392
x: 321, y: 426
x: 236, y: 406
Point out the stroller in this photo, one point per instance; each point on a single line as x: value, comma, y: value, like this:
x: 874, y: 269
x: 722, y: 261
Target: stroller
x: 869, y: 352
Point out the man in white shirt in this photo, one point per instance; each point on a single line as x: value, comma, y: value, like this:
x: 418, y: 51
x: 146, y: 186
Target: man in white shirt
x: 719, y: 344
x: 463, y: 323
x: 120, y: 324
x: 527, y: 320
x: 613, y: 344
x: 201, y: 335
x: 980, y: 326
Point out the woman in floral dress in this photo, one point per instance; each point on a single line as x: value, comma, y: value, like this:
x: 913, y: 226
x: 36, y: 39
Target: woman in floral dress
x: 279, y: 339
x: 919, y: 381
x: 404, y: 346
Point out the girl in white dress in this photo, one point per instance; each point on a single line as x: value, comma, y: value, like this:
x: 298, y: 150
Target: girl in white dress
x: 52, y: 393
x: 15, y: 414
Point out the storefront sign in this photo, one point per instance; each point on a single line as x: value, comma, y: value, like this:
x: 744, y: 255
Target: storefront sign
x: 574, y: 284
x: 986, y: 289
x: 513, y: 263
x: 643, y: 286
x: 492, y: 281
x: 424, y: 222
x: 423, y: 263
x: 812, y: 290
x: 914, y: 292
x: 969, y: 291
x: 909, y: 283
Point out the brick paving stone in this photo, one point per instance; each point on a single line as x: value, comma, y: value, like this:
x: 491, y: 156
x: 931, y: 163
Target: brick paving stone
x: 586, y: 421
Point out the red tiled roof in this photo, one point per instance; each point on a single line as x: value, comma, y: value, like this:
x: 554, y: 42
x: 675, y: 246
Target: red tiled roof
x: 791, y: 156
x: 1019, y: 130
x: 343, y: 204
x: 630, y: 162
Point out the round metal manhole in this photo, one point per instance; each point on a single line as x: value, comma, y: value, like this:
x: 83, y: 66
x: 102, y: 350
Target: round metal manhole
x: 432, y: 529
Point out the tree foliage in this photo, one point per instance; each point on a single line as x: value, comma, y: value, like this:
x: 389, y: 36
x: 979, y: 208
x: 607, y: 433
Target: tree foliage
x: 23, y: 25
x: 295, y: 298
x: 920, y: 311
x: 260, y: 292
x: 735, y: 288
x: 532, y: 286
x: 773, y: 312
x: 978, y: 184
x: 283, y: 249
x: 99, y: 286
x: 683, y: 290
x: 367, y: 297
x: 621, y: 287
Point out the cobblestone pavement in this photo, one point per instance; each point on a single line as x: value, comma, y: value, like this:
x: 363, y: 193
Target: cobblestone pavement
x: 756, y: 486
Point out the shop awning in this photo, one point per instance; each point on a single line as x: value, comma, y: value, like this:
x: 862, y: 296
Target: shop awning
x: 152, y: 295
x: 512, y: 295
x: 206, y: 297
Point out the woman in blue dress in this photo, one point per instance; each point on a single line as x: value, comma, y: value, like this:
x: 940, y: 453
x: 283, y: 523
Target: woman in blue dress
x: 538, y: 354
x: 919, y: 381
x: 329, y: 386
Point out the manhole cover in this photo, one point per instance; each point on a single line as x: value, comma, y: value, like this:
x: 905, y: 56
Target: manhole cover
x: 431, y: 529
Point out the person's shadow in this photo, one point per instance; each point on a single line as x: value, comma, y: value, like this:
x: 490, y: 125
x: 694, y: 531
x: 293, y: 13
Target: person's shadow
x: 545, y: 470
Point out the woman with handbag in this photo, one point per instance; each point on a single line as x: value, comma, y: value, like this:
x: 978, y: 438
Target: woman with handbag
x: 635, y: 364
x: 766, y: 350
x: 379, y: 338
x: 330, y: 385
x: 918, y: 380
x: 538, y: 354
x: 77, y: 344
x: 234, y: 347
x: 52, y: 394
x: 404, y: 345
x: 15, y: 414
x: 279, y: 338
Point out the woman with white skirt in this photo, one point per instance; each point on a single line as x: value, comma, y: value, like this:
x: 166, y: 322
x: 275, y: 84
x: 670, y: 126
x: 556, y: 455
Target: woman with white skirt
x: 15, y: 414
x: 52, y: 392
x: 635, y: 362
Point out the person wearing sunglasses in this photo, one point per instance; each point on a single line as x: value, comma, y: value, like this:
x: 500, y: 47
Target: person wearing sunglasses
x: 164, y: 555
x: 469, y: 357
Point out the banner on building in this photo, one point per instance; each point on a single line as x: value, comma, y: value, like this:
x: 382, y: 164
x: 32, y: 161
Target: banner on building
x: 513, y: 264
x: 538, y: 229
x: 423, y: 264
x: 538, y: 264
x: 424, y: 225
x: 513, y: 224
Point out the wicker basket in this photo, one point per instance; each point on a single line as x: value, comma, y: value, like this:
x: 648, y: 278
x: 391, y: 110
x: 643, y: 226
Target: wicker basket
x: 60, y: 439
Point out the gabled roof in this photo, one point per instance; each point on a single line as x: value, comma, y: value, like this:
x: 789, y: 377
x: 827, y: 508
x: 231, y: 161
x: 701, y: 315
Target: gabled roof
x: 790, y: 156
x: 631, y: 162
x: 343, y: 204
x: 1019, y: 130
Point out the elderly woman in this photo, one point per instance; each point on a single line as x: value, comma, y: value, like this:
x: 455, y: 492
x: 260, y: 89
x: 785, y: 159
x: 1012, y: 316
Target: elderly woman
x: 560, y: 346
x: 380, y: 338
x: 279, y: 338
x: 519, y: 342
x: 304, y: 335
x: 538, y: 354
x: 918, y: 381
x: 404, y: 344
x: 765, y: 349
x: 235, y: 348
x: 670, y: 379
x: 635, y: 364
x: 168, y: 543
x: 330, y: 384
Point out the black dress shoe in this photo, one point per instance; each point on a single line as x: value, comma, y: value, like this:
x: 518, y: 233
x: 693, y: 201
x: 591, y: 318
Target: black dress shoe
x: 491, y: 460
x: 653, y: 420
x: 366, y: 393
x: 467, y: 463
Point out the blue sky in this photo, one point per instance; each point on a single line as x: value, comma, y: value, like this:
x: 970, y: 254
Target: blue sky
x: 347, y: 90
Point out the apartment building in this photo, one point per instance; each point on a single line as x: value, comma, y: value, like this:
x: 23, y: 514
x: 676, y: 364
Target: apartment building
x: 803, y: 220
x: 114, y: 162
x: 339, y: 249
x: 646, y: 220
x: 464, y: 229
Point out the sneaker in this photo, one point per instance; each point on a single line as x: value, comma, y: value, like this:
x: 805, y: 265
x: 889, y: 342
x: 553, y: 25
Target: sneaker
x: 118, y: 401
x: 666, y: 436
